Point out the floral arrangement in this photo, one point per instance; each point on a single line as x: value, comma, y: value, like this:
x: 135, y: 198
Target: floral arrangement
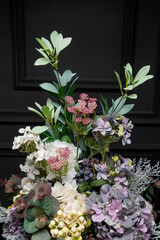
x: 72, y: 186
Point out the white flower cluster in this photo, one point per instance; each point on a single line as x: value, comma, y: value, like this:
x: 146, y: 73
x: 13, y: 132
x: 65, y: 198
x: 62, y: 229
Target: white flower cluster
x: 26, y: 138
x: 46, y: 150
x: 68, y: 197
x: 144, y: 174
x: 2, y: 214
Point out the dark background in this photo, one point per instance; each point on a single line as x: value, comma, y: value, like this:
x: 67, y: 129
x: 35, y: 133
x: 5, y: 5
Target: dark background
x: 106, y: 35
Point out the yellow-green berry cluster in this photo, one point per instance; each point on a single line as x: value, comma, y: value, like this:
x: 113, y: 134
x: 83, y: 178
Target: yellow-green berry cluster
x: 68, y: 226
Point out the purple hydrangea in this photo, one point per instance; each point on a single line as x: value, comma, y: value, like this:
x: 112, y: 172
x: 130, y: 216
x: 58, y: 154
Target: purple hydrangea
x: 102, y: 172
x: 13, y: 227
x: 118, y: 213
x: 103, y: 127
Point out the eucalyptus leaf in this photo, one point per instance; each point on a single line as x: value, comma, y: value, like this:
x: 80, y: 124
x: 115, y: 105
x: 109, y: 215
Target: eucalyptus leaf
x: 53, y: 37
x: 42, y: 43
x: 41, y: 235
x: 142, y: 80
x: 142, y: 72
x: 126, y: 108
x: 41, y: 61
x: 57, y: 112
x: 129, y: 88
x: 35, y: 111
x: 38, y: 105
x: 119, y: 81
x: 49, y: 87
x: 128, y: 67
x: 47, y: 43
x: 132, y: 96
x: 39, y: 129
x: 67, y: 77
x: 41, y: 51
x: 49, y: 104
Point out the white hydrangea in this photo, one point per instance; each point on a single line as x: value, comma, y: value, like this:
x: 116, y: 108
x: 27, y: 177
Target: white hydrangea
x: 68, y: 196
x: 49, y: 150
x: 27, y: 137
x: 30, y: 169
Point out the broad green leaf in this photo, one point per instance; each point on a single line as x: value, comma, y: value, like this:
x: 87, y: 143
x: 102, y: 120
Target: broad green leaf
x: 47, y: 43
x: 53, y: 37
x: 49, y: 87
x: 41, y: 235
x: 39, y: 129
x: 41, y: 61
x: 45, y: 111
x: 120, y: 104
x: 66, y: 77
x: 62, y: 43
x: 132, y: 96
x: 128, y: 67
x: 129, y: 88
x: 82, y: 144
x: 70, y: 87
x: 57, y: 43
x: 126, y: 108
x: 97, y: 183
x: 35, y: 111
x: 119, y: 81
x: 57, y: 112
x: 57, y: 105
x: 49, y: 104
x: 84, y: 187
x: 29, y: 226
x: 42, y: 43
x: 41, y: 51
x: 38, y: 105
x: 62, y: 92
x: 66, y: 139
x: 62, y: 119
x: 142, y: 80
x: 142, y: 72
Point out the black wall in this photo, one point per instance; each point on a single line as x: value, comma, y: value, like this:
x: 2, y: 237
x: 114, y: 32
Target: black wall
x: 106, y: 35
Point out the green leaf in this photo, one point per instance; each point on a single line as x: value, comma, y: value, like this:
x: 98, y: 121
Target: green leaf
x: 41, y: 235
x: 45, y: 111
x: 61, y: 119
x: 39, y: 129
x: 128, y: 67
x: 82, y: 144
x: 67, y: 77
x: 84, y: 187
x: 142, y: 72
x: 35, y: 111
x: 29, y: 226
x: 49, y: 104
x: 62, y: 92
x: 129, y: 88
x: 119, y: 81
x: 66, y: 139
x: 42, y: 43
x: 57, y: 105
x: 150, y: 190
x: 62, y: 43
x: 103, y: 111
x: 132, y: 96
x: 126, y: 108
x: 41, y: 61
x: 56, y: 131
x: 97, y: 183
x: 106, y: 104
x: 53, y: 37
x: 41, y: 51
x: 49, y: 87
x: 148, y: 196
x: 48, y: 44
x: 38, y: 105
x: 142, y: 80
x: 70, y: 87
x: 57, y: 112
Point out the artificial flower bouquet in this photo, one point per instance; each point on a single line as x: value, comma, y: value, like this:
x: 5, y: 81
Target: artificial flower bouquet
x: 73, y: 187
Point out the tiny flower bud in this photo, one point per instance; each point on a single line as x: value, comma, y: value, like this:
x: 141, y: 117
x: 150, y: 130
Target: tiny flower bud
x: 60, y: 233
x: 73, y: 212
x: 52, y: 223
x: 79, y: 213
x: 59, y: 213
x: 61, y: 224
x: 73, y: 229
x: 65, y: 230
x: 81, y: 219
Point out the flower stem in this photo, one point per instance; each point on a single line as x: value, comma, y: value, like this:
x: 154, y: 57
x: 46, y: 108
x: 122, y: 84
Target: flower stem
x: 77, y: 146
x: 92, y: 163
